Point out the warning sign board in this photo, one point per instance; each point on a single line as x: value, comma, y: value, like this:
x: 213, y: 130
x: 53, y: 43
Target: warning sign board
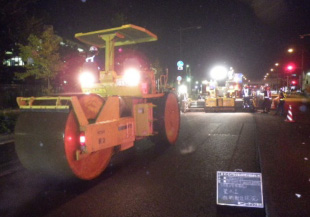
x: 239, y: 189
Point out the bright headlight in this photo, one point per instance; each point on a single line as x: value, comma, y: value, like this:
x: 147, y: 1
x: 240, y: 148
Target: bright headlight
x: 132, y: 77
x: 182, y: 89
x: 87, y: 79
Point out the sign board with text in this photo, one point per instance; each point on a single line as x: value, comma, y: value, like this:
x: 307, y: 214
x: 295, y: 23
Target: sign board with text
x: 239, y: 189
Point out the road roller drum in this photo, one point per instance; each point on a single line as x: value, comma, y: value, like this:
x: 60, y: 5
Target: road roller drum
x: 46, y: 141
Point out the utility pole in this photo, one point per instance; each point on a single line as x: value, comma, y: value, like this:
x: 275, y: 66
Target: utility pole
x: 181, y: 30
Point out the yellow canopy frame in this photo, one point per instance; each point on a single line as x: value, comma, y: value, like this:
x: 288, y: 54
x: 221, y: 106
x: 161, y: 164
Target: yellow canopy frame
x: 119, y: 36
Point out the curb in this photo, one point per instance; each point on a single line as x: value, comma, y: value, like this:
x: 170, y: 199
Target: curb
x: 6, y: 138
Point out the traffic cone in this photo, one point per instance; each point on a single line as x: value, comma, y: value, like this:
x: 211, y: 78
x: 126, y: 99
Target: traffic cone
x: 289, y: 117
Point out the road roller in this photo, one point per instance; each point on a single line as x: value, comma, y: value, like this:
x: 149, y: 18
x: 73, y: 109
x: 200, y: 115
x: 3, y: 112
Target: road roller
x: 75, y: 135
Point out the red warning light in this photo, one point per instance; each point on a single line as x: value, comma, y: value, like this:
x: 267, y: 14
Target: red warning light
x: 290, y: 67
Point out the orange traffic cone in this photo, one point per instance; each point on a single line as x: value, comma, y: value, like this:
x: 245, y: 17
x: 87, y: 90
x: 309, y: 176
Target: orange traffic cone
x: 289, y: 117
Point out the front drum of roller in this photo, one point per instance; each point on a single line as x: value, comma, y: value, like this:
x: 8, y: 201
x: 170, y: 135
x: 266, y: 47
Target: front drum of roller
x: 46, y: 142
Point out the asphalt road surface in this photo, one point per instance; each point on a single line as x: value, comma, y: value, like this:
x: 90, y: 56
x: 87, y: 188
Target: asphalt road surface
x: 176, y: 181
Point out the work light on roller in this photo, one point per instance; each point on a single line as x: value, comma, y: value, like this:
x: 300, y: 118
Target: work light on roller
x: 87, y: 79
x: 132, y: 76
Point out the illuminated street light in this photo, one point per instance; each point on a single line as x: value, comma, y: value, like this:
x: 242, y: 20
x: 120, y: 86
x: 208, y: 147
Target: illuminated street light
x: 290, y: 50
x: 271, y: 69
x: 276, y: 64
x: 219, y: 72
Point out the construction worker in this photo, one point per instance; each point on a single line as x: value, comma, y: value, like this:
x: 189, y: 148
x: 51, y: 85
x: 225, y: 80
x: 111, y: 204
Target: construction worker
x: 280, y: 107
x: 246, y: 93
x: 91, y: 63
x: 267, y: 100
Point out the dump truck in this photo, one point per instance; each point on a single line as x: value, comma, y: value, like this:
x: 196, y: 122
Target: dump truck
x: 75, y: 135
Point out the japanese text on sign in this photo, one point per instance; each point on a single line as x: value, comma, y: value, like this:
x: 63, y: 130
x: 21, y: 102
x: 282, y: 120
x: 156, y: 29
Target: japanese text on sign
x: 239, y: 189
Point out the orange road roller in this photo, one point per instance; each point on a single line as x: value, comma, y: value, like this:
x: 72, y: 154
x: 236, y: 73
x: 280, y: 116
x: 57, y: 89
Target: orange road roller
x: 76, y: 135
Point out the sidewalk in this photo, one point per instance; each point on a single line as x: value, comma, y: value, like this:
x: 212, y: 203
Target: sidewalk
x: 284, y: 150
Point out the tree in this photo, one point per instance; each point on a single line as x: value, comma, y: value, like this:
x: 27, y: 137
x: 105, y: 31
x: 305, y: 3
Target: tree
x: 42, y: 57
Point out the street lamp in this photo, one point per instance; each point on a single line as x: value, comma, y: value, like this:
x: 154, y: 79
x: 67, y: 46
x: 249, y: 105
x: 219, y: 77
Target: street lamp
x: 219, y: 72
x: 290, y: 50
x: 185, y: 29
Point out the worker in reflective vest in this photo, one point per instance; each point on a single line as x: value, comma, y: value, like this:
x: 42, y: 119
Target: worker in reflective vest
x: 246, y: 93
x: 267, y: 100
x: 280, y: 107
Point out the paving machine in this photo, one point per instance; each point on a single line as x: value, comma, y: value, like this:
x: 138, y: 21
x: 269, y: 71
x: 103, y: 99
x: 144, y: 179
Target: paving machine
x: 215, y: 98
x: 76, y: 135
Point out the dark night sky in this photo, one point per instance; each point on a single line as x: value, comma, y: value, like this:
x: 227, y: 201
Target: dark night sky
x: 249, y: 35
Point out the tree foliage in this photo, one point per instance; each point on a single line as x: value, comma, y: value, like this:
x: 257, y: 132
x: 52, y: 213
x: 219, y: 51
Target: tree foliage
x: 42, y: 57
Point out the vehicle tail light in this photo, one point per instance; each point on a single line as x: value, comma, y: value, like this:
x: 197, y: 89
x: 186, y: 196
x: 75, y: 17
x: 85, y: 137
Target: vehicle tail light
x: 82, y: 139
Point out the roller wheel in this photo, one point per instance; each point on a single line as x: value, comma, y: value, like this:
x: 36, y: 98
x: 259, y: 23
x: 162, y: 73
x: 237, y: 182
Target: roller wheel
x: 167, y: 119
x: 46, y: 142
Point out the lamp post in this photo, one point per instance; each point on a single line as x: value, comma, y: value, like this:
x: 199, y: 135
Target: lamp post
x: 181, y: 30
x: 301, y: 75
x: 277, y: 76
x: 189, y: 78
